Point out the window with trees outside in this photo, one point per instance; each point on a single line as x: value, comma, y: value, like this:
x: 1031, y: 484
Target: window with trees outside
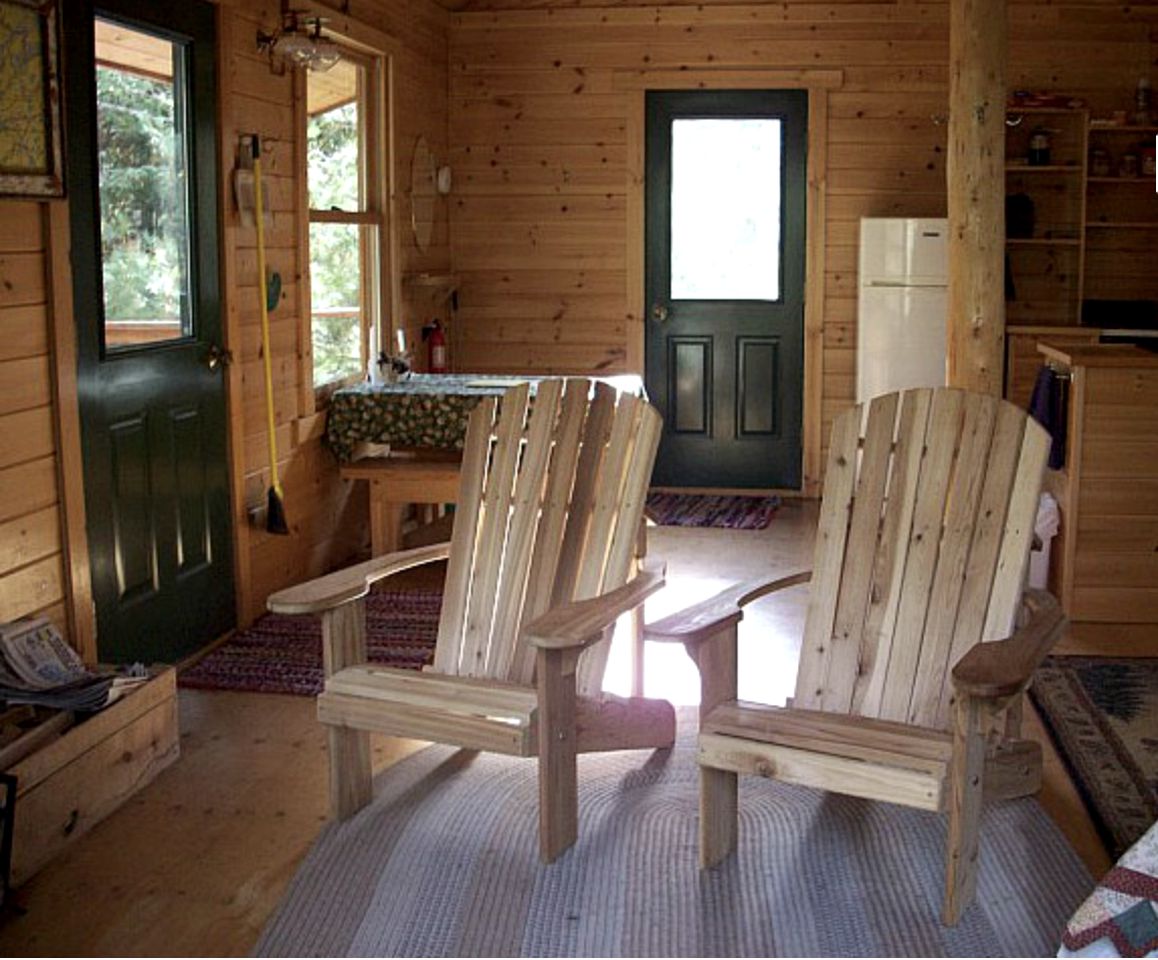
x: 143, y: 163
x: 344, y: 217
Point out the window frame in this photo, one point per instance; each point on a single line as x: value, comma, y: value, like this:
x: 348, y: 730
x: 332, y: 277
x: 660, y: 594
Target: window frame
x: 374, y: 52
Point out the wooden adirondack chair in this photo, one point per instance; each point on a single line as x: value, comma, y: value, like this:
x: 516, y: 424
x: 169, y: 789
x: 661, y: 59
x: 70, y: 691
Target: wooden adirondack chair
x: 548, y: 515
x: 921, y: 553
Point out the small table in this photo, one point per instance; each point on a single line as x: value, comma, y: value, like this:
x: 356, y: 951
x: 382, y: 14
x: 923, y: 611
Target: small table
x: 423, y: 420
x: 424, y: 411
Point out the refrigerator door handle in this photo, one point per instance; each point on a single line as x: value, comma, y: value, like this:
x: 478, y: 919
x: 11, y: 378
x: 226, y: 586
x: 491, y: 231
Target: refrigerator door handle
x: 905, y: 284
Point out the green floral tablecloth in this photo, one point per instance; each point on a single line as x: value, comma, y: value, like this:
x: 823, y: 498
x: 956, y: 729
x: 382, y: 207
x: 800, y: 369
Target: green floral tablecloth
x: 425, y: 410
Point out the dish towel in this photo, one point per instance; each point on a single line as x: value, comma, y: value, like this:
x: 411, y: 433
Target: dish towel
x: 1047, y: 405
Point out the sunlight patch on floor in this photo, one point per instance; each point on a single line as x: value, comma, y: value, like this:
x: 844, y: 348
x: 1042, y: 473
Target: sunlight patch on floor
x: 701, y: 563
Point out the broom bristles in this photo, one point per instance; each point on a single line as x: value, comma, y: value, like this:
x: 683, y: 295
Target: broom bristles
x: 275, y: 514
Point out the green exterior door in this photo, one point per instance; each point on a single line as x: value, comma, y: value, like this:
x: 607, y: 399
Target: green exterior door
x: 141, y: 107
x: 725, y: 213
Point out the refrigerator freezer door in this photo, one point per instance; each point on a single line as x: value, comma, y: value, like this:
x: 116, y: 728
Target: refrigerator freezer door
x: 901, y: 339
x: 902, y: 250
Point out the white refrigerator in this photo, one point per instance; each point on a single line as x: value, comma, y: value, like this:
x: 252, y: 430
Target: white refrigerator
x: 902, y: 304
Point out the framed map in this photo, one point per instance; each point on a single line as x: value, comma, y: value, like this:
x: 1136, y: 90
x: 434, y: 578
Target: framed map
x: 31, y: 155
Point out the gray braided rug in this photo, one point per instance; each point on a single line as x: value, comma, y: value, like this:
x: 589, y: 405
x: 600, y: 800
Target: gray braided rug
x: 444, y: 863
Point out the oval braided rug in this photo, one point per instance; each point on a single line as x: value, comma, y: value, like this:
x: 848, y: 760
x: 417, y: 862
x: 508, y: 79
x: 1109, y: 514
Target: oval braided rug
x: 445, y: 863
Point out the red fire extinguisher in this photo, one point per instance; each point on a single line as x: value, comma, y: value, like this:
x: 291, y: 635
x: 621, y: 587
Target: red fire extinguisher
x: 436, y: 349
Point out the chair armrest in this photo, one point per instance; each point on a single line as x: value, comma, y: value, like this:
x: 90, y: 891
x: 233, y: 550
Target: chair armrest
x: 342, y: 586
x: 582, y: 622
x: 1001, y: 668
x: 710, y: 616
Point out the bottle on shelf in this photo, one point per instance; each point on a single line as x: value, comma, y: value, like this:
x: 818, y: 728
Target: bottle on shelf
x: 1142, y: 113
x: 1100, y: 162
x: 1039, y: 147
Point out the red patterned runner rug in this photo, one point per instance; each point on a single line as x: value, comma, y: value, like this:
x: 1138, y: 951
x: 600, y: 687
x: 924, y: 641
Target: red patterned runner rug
x: 283, y: 654
x: 699, y: 510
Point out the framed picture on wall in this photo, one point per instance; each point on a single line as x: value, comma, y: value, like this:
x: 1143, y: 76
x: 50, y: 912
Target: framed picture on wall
x: 31, y: 152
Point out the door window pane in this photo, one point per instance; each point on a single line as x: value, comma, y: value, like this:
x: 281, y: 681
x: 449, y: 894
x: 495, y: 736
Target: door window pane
x: 725, y: 209
x: 336, y: 300
x: 143, y: 176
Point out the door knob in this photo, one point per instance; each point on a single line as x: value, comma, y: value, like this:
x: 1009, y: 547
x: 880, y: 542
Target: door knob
x: 658, y: 312
x: 218, y: 357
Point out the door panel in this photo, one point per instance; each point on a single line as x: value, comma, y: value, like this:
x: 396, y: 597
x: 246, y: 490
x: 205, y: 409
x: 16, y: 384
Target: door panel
x: 143, y: 168
x: 758, y: 360
x: 192, y: 493
x: 725, y: 209
x: 691, y: 393
x: 134, y: 539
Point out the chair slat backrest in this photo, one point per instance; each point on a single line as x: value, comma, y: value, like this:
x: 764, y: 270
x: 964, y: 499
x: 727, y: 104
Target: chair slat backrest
x: 921, y: 551
x: 549, y: 486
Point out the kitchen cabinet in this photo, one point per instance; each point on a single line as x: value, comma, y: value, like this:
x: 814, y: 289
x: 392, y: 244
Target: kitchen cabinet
x: 1104, y: 563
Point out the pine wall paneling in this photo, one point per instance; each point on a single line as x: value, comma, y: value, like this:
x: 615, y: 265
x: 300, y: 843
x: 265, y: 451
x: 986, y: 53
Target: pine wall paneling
x: 327, y: 515
x: 33, y: 525
x: 539, y: 139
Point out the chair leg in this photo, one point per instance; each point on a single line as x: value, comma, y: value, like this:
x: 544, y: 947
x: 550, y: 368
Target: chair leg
x: 558, y: 769
x: 719, y: 809
x: 351, y: 782
x: 719, y: 815
x: 344, y: 644
x: 966, y: 773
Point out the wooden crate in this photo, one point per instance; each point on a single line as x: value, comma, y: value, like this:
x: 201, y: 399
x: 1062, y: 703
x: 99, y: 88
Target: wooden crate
x: 78, y: 779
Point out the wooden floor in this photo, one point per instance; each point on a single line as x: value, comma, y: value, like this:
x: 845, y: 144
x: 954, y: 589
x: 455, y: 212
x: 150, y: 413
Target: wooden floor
x: 197, y: 861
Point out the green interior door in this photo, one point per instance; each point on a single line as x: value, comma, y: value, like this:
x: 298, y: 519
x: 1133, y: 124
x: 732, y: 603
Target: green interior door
x: 725, y: 213
x: 143, y: 202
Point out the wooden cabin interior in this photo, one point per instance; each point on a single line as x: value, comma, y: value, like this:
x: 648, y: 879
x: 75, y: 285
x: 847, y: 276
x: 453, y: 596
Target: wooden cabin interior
x: 501, y: 185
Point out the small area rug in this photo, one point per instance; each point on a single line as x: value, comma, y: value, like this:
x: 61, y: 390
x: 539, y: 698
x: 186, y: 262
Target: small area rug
x: 445, y: 862
x: 696, y: 510
x: 282, y: 654
x: 1102, y: 713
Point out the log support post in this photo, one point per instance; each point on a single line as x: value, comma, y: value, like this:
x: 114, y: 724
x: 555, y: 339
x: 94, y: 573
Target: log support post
x: 978, y: 46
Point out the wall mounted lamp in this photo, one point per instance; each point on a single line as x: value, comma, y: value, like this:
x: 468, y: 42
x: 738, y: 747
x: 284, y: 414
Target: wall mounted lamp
x: 299, y: 42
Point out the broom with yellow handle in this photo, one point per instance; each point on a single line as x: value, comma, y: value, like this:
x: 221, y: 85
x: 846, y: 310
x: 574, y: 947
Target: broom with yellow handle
x: 275, y: 521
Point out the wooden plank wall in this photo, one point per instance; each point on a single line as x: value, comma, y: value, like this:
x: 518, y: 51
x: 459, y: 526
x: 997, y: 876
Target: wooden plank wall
x: 32, y: 579
x: 538, y: 137
x: 327, y: 516
x: 328, y: 519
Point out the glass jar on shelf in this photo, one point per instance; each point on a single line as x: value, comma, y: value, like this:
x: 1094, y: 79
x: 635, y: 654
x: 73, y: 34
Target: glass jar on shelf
x: 1100, y: 164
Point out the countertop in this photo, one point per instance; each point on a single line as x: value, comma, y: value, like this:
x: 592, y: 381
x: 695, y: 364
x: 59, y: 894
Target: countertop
x: 1099, y: 355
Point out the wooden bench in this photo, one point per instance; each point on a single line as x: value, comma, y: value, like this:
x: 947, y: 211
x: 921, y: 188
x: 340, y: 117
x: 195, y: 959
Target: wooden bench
x: 399, y: 478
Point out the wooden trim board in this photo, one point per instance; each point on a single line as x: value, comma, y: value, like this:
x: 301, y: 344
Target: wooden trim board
x: 69, y: 456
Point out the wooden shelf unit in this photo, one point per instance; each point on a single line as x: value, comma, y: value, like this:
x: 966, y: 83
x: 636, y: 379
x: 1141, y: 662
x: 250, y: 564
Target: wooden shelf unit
x: 1092, y: 239
x: 1121, y: 219
x: 1044, y: 269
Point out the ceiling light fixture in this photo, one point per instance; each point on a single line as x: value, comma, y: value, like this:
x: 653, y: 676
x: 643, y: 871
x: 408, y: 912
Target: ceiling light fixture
x: 299, y: 42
